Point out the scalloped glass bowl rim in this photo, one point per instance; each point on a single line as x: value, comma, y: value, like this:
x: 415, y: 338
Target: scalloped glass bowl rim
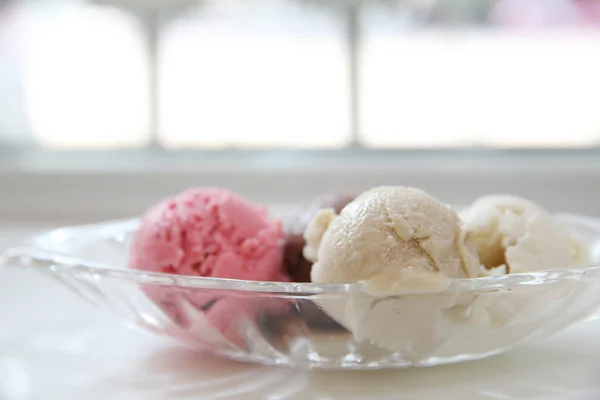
x: 42, y: 258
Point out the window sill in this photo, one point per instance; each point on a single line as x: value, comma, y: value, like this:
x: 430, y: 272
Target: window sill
x: 83, y: 187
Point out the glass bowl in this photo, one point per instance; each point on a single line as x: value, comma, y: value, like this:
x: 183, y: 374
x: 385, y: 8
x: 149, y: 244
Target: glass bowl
x: 306, y: 325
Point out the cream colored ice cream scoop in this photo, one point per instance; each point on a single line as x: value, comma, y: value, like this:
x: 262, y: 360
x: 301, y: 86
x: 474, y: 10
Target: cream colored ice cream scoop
x: 387, y: 235
x: 397, y: 241
x: 514, y: 235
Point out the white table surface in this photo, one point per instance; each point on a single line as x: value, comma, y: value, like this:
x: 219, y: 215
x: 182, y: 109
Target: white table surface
x: 53, y: 346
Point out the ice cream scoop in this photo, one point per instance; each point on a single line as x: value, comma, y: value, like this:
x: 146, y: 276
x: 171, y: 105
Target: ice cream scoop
x: 297, y: 266
x: 208, y: 232
x: 396, y: 241
x: 387, y: 235
x: 515, y: 235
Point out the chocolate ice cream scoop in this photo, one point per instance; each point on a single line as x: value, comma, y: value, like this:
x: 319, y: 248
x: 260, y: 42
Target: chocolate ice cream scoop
x: 297, y: 266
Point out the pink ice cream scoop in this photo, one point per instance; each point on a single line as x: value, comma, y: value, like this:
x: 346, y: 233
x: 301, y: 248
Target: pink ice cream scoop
x: 209, y: 232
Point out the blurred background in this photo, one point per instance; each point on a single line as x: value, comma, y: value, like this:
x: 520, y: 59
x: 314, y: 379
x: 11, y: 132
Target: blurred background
x: 107, y: 105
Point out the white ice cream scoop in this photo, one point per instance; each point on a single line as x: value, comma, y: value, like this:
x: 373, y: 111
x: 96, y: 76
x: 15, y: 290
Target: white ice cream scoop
x: 405, y: 247
x: 514, y: 235
x: 385, y: 236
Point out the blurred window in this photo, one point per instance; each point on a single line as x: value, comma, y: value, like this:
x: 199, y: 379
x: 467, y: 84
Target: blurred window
x: 299, y: 74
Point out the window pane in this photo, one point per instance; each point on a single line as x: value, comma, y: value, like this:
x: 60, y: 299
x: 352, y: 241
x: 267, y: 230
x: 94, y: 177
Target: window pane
x: 13, y: 119
x: 276, y: 74
x: 84, y: 75
x: 259, y: 74
x: 480, y: 86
